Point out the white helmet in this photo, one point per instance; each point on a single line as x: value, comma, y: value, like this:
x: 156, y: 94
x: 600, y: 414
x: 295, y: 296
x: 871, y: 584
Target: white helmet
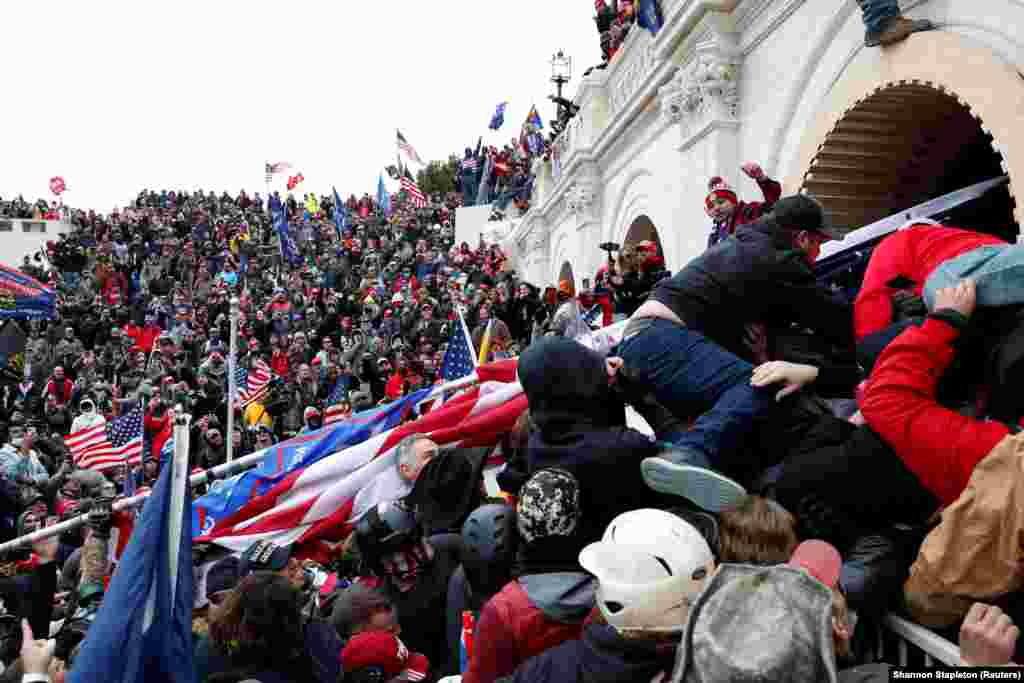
x: 650, y: 567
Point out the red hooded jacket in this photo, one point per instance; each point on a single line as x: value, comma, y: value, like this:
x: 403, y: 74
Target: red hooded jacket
x: 938, y: 445
x: 912, y: 253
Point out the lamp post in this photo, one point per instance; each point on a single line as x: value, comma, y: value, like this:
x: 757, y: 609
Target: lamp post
x: 232, y: 376
x: 561, y: 73
x: 561, y: 70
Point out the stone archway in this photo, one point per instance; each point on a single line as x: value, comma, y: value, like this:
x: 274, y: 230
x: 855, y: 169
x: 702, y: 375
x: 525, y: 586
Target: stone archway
x: 565, y: 273
x: 642, y: 229
x: 933, y: 114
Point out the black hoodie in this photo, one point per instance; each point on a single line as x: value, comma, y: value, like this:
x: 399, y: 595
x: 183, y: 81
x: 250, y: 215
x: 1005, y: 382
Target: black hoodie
x: 579, y: 424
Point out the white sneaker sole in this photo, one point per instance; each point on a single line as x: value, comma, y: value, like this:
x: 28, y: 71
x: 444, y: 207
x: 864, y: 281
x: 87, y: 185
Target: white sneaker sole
x: 705, y: 488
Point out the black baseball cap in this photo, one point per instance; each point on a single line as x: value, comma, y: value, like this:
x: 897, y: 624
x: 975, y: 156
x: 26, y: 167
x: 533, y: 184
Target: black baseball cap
x: 803, y: 212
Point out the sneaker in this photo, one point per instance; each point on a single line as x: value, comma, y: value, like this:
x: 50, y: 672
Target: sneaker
x: 704, y: 487
x: 896, y: 30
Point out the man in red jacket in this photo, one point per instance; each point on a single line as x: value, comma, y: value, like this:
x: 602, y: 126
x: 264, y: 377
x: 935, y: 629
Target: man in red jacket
x: 904, y: 261
x: 972, y: 466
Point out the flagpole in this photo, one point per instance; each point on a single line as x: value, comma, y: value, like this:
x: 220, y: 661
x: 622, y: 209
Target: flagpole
x: 229, y: 438
x: 180, y: 492
x: 224, y: 471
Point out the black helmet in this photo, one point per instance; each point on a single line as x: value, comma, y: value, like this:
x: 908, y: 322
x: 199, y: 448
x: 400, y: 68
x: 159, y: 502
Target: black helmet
x: 489, y: 542
x: 386, y: 528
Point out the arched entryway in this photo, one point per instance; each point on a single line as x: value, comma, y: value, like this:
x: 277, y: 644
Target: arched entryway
x: 565, y: 273
x: 901, y: 146
x: 642, y: 229
x: 907, y: 124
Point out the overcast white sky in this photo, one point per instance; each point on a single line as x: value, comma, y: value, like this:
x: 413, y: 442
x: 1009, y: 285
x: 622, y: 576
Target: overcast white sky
x: 116, y: 96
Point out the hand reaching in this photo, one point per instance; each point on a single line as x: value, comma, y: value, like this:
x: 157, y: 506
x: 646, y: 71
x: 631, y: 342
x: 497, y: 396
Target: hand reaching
x: 962, y: 298
x: 988, y: 636
x: 36, y: 655
x: 753, y: 170
x: 793, y: 375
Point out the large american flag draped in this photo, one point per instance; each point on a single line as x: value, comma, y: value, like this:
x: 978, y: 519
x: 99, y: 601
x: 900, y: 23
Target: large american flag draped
x: 252, y: 385
x: 410, y: 187
x: 108, y: 445
x: 407, y: 149
x: 323, y: 500
x: 333, y: 411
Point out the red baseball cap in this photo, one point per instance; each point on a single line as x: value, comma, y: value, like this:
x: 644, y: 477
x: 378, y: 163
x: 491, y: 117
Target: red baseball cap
x: 819, y: 559
x: 383, y: 650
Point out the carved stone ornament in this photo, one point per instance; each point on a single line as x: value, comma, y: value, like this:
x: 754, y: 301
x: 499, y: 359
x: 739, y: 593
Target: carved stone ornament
x: 580, y: 197
x: 711, y: 83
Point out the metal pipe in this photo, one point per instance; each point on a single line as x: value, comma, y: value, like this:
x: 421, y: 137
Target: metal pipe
x: 232, y: 378
x: 228, y: 469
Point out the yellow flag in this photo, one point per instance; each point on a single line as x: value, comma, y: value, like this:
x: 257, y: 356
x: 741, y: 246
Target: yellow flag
x: 485, y: 343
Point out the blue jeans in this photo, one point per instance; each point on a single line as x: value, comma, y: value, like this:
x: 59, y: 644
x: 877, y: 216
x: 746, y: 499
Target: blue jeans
x: 877, y: 13
x: 691, y: 375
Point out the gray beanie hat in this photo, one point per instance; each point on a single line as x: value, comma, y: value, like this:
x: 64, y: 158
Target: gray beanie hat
x: 759, y: 625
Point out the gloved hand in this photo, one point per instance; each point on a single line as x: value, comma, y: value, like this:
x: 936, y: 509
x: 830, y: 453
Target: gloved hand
x: 101, y: 517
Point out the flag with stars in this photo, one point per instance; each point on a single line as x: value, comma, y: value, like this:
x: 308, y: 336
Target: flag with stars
x: 459, y: 360
x: 108, y: 446
x: 334, y: 412
x: 593, y: 315
x: 252, y: 384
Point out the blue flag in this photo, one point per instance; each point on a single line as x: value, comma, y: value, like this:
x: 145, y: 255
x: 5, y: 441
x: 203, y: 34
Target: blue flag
x: 279, y: 461
x: 289, y: 252
x: 143, y: 630
x: 499, y: 116
x: 649, y: 16
x: 340, y: 214
x: 383, y: 198
x: 533, y: 118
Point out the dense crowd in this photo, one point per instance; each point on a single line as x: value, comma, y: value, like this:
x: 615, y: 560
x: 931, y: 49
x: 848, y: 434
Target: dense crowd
x: 822, y: 453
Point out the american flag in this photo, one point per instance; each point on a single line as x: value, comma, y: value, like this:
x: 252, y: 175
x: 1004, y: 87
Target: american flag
x: 410, y: 187
x: 405, y: 147
x: 252, y: 385
x: 322, y: 500
x: 108, y: 445
x: 279, y: 167
x: 459, y: 360
x: 471, y: 164
x: 333, y: 412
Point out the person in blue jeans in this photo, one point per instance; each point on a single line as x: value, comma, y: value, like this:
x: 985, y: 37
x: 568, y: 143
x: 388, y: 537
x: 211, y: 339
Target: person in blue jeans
x: 687, y: 343
x: 885, y: 25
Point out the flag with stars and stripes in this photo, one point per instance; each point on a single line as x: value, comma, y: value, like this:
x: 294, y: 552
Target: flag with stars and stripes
x: 252, y: 385
x: 410, y: 187
x: 109, y: 445
x: 593, y: 315
x: 407, y: 149
x: 459, y: 360
x: 333, y: 411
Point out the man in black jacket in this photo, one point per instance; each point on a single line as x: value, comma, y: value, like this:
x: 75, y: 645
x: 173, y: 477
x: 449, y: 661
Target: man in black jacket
x: 686, y: 342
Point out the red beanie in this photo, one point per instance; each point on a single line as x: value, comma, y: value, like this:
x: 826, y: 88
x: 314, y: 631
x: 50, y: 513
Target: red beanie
x: 717, y: 187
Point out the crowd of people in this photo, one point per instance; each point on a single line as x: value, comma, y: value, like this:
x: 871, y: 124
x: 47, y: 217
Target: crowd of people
x: 814, y: 461
x: 40, y: 209
x: 785, y: 498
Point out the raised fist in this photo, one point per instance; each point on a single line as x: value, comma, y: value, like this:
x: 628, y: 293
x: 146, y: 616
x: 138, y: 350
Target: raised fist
x: 753, y: 170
